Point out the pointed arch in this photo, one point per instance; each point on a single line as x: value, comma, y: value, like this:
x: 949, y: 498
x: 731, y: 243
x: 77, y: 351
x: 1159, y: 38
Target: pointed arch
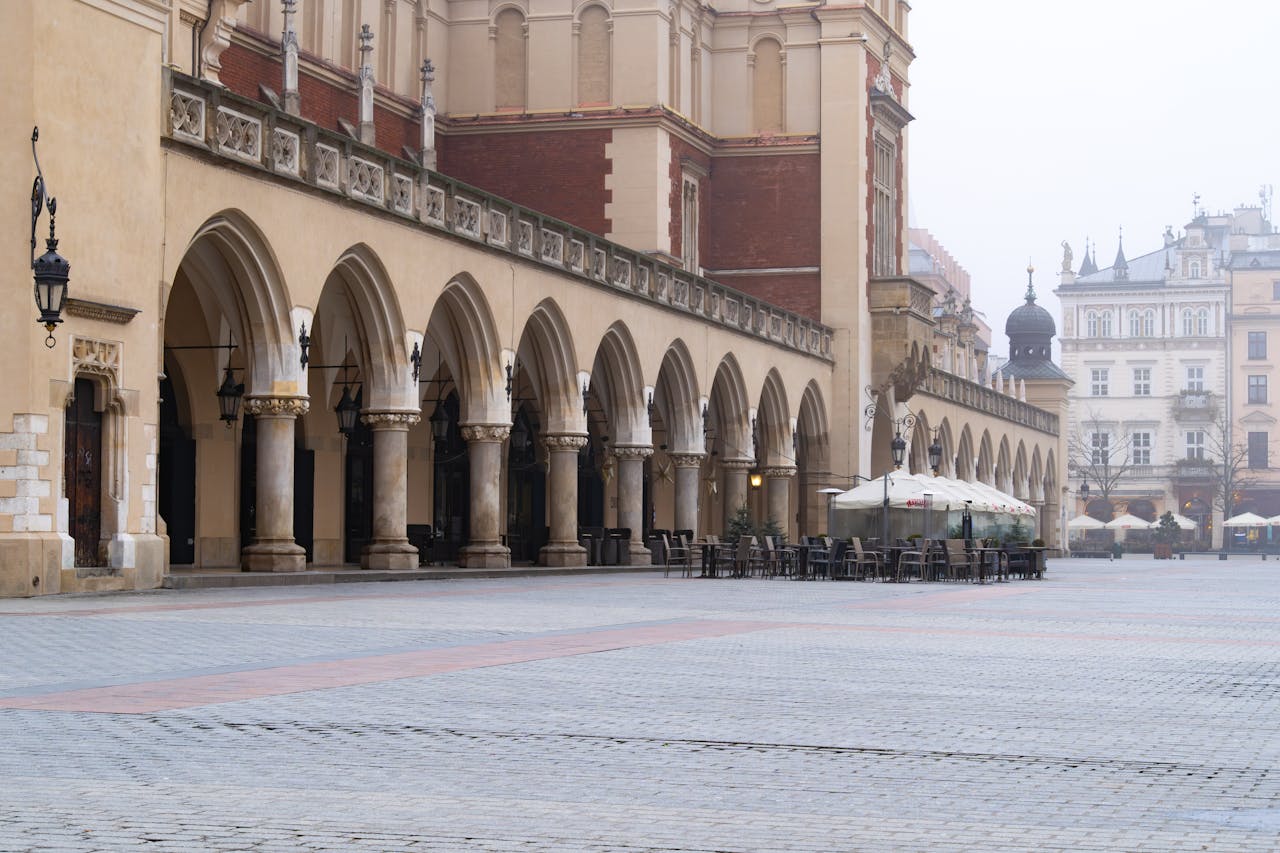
x: 676, y: 396
x: 375, y: 312
x: 616, y: 381
x: 773, y: 423
x: 1021, y: 476
x: 730, y: 407
x: 461, y: 325
x: 546, y: 354
x: 966, y: 462
x: 985, y: 470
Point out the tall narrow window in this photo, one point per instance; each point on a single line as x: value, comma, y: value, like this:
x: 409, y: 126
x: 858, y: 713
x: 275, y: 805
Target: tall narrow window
x: 1140, y: 448
x: 1257, y: 345
x: 593, y: 57
x: 1195, y: 444
x: 689, y: 224
x: 1091, y: 324
x: 1195, y: 379
x: 1149, y: 324
x: 1202, y: 322
x: 1098, y: 383
x: 509, y: 61
x: 1142, y: 382
x: 1105, y: 322
x: 766, y: 87
x: 1135, y: 324
x: 1257, y: 389
x: 1188, y: 324
x: 1258, y: 450
x: 1099, y: 448
x: 885, y: 254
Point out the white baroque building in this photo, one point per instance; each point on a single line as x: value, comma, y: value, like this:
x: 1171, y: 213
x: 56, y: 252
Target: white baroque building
x: 1146, y: 342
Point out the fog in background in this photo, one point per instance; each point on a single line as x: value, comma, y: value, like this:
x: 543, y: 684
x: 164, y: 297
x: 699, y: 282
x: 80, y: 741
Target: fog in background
x: 1038, y: 122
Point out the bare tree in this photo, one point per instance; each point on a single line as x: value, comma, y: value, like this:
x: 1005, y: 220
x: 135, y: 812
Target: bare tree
x: 1229, y: 460
x: 1094, y: 456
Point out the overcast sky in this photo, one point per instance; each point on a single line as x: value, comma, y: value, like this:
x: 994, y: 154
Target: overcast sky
x: 1038, y: 122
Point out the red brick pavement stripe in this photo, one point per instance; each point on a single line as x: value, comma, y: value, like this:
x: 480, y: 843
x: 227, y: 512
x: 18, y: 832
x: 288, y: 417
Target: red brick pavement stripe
x: 169, y: 694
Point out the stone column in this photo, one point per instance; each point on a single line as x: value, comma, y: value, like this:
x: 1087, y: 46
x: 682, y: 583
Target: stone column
x: 563, y: 549
x: 390, y: 548
x: 688, y: 474
x: 735, y: 486
x: 631, y: 498
x: 484, y: 450
x: 777, y: 482
x: 273, y: 548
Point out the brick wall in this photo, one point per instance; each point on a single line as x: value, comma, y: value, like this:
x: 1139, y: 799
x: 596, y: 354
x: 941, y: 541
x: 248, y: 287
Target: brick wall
x: 798, y: 292
x: 682, y: 153
x: 558, y: 172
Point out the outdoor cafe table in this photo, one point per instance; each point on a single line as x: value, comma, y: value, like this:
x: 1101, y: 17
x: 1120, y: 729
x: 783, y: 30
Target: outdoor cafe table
x: 998, y: 556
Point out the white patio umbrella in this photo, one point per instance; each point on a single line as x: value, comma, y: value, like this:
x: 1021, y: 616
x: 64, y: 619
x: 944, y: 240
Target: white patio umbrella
x: 1127, y: 522
x: 1185, y: 523
x: 1245, y: 519
x: 1275, y: 519
x: 1085, y: 522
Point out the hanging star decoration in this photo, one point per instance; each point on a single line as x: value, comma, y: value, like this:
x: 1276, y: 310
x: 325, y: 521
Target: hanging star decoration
x: 712, y: 484
x: 664, y: 472
x: 606, y: 471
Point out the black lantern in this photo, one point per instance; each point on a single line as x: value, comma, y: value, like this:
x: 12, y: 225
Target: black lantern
x: 51, y: 271
x: 229, y: 395
x: 935, y: 455
x: 1084, y: 493
x: 898, y: 447
x: 347, y: 410
x: 439, y: 423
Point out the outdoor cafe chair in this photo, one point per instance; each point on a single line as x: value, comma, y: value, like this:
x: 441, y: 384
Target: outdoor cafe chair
x: 678, y: 555
x: 913, y: 560
x: 861, y: 563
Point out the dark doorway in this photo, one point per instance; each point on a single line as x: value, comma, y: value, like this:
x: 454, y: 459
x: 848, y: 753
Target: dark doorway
x: 304, y: 475
x: 82, y: 468
x: 590, y: 486
x: 359, y: 494
x: 177, y: 475
x: 451, y: 492
x: 527, y: 495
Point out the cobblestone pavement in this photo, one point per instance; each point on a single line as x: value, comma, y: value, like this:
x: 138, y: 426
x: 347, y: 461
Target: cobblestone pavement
x: 1111, y: 706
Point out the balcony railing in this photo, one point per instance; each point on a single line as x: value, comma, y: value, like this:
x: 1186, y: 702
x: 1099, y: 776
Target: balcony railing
x: 288, y: 148
x: 1194, y: 406
x: 954, y: 389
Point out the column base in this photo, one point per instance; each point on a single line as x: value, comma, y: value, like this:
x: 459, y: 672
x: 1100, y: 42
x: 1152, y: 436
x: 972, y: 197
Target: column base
x: 561, y: 554
x: 389, y: 554
x: 282, y: 555
x: 484, y: 556
x: 640, y: 555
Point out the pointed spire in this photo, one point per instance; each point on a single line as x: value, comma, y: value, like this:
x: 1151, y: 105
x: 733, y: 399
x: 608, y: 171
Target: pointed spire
x: 1121, y: 266
x: 1031, y: 291
x: 1088, y: 267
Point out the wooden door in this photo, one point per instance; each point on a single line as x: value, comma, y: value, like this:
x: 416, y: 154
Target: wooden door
x: 82, y: 472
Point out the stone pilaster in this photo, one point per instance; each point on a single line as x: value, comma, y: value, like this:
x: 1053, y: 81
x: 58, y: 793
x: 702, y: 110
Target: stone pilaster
x: 289, y: 49
x: 367, y: 135
x: 631, y: 498
x: 562, y: 549
x: 427, y: 143
x: 688, y: 473
x: 735, y: 486
x: 484, y: 450
x: 390, y: 548
x: 777, y: 482
x: 273, y: 548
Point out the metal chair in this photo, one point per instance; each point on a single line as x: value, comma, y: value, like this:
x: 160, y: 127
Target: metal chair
x: 678, y: 554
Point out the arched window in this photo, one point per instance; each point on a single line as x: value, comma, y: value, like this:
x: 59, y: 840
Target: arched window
x: 766, y: 83
x: 1195, y: 269
x: 594, y: 57
x: 1149, y: 323
x: 1202, y: 321
x: 1135, y: 325
x: 509, y: 61
x: 1188, y: 325
x: 1105, y: 324
x: 1091, y: 323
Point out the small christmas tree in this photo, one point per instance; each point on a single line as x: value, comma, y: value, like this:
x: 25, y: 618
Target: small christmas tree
x: 739, y: 524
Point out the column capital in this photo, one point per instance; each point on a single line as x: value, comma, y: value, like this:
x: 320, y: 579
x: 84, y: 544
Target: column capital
x: 779, y: 472
x: 739, y: 464
x: 564, y: 442
x: 277, y: 407
x: 390, y: 420
x: 687, y: 460
x: 633, y: 451
x: 486, y: 432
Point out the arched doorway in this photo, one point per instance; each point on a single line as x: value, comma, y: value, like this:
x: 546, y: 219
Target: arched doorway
x: 451, y: 509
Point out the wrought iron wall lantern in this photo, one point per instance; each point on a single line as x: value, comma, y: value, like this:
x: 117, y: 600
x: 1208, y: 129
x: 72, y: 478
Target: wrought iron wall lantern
x: 898, y: 447
x: 756, y: 479
x: 304, y: 345
x: 439, y: 417
x: 50, y: 271
x: 935, y: 451
x: 230, y: 393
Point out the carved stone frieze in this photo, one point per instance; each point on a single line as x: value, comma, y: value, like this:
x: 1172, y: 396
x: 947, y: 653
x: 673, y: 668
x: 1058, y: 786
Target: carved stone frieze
x: 99, y: 311
x: 277, y: 407
x: 98, y: 358
x: 390, y: 420
x: 779, y: 472
x: 636, y: 451
x: 486, y: 432
x: 687, y: 460
x: 562, y: 443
